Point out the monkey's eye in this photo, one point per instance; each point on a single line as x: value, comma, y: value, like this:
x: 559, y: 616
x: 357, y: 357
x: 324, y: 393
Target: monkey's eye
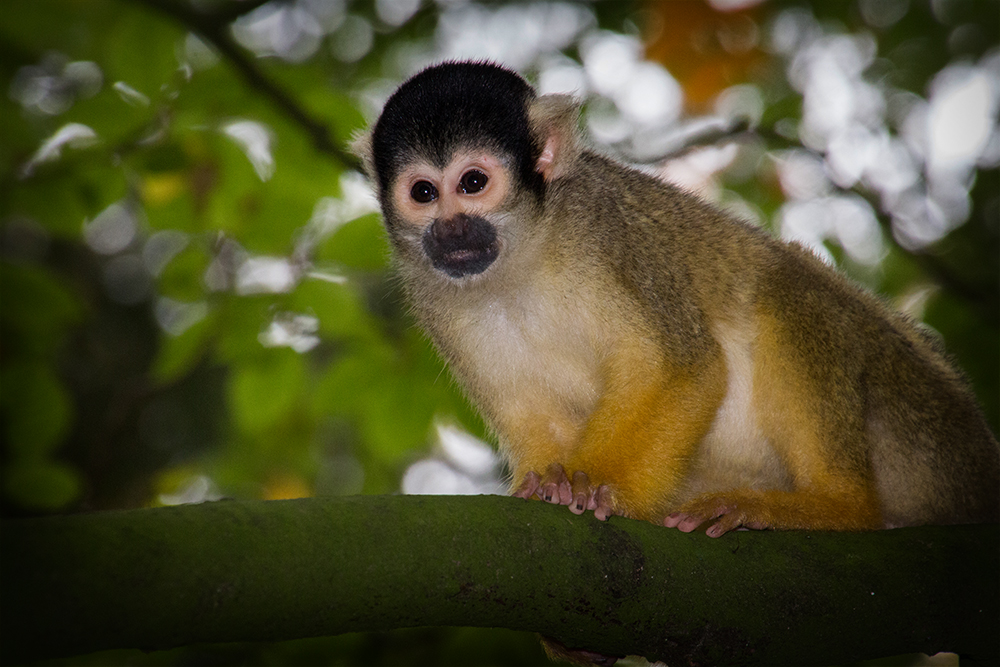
x: 423, y: 192
x: 472, y: 181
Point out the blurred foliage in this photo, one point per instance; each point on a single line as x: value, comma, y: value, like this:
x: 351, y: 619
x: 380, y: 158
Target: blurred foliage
x: 116, y: 390
x: 196, y: 302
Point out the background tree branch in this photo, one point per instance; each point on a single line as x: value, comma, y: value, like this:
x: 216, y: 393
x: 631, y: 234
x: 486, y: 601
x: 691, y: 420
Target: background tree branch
x: 260, y: 571
x: 213, y: 28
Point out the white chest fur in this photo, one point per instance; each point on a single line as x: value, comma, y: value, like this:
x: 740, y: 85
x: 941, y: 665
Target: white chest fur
x: 536, y: 357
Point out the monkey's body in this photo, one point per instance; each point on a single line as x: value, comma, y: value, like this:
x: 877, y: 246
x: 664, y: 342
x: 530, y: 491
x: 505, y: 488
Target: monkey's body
x: 688, y: 364
x: 567, y: 362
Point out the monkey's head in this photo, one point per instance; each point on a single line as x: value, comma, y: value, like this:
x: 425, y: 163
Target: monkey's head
x: 459, y: 151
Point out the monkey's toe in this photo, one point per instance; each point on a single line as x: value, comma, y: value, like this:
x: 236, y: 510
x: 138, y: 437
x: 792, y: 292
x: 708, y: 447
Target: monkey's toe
x: 604, y: 506
x: 580, y: 495
x: 724, y: 513
x: 555, y: 487
x: 584, y: 495
x: 683, y: 521
x: 529, y: 485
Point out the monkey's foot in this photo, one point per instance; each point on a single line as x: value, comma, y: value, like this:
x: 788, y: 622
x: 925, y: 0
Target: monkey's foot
x: 579, y: 495
x: 727, y: 513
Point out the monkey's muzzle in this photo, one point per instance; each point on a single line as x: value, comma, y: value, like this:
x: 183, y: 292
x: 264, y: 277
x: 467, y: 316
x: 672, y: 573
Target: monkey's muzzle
x: 461, y: 245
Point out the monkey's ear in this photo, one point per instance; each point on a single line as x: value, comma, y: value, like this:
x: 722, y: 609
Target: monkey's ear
x: 361, y: 145
x: 554, y: 121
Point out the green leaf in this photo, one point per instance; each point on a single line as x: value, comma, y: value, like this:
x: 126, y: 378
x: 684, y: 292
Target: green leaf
x: 263, y: 214
x: 241, y: 319
x: 36, y: 309
x: 174, y: 178
x: 61, y: 195
x: 339, y: 307
x: 37, y: 409
x: 41, y: 485
x: 360, y: 244
x: 176, y: 356
x: 134, y: 30
x: 397, y: 419
x: 391, y: 393
x: 264, y: 392
x: 351, y: 381
x: 183, y: 276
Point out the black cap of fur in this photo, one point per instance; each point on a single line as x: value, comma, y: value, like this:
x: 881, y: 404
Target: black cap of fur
x: 452, y: 106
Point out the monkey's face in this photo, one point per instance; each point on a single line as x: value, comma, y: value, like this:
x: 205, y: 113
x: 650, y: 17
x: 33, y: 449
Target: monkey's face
x: 449, y: 217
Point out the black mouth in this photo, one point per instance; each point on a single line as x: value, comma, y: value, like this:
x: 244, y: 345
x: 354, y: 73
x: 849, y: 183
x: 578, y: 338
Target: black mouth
x: 462, y: 245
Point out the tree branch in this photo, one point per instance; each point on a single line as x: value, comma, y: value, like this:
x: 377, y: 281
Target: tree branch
x: 693, y: 136
x: 213, y: 28
x: 260, y: 571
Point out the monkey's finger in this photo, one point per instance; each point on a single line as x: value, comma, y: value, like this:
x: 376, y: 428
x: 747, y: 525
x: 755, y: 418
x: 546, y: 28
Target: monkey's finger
x: 529, y: 485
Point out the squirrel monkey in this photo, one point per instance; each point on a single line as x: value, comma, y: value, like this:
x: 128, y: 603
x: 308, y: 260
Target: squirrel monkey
x: 640, y: 353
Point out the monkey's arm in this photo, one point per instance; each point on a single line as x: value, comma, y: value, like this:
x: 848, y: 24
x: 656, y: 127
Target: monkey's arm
x: 637, y: 443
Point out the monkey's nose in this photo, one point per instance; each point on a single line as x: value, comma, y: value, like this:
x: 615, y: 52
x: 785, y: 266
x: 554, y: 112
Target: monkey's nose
x: 449, y: 229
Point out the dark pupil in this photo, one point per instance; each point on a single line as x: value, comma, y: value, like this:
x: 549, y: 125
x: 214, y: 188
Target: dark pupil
x: 473, y: 181
x: 423, y: 192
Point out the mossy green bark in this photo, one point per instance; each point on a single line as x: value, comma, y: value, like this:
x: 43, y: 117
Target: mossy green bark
x: 257, y: 571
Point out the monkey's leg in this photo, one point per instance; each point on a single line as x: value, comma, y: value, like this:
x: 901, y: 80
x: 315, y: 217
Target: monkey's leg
x: 804, y: 509
x: 832, y: 484
x: 814, y: 418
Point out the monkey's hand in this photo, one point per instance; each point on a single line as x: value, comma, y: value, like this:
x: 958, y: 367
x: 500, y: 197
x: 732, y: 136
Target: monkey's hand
x: 579, y: 495
x: 728, y: 513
